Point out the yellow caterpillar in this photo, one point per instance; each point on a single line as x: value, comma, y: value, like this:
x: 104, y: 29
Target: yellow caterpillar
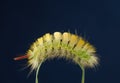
x: 67, y: 45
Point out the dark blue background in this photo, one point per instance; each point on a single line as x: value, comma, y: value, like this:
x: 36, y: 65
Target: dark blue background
x: 23, y: 21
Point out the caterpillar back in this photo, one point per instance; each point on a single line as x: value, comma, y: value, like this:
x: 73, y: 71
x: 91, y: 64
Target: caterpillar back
x: 67, y: 45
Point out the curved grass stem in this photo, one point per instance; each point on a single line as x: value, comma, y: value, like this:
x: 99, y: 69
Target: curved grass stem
x: 83, y: 75
x: 82, y: 79
x: 37, y: 72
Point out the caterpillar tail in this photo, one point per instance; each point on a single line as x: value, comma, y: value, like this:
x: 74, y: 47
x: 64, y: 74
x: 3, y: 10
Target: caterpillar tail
x: 21, y: 57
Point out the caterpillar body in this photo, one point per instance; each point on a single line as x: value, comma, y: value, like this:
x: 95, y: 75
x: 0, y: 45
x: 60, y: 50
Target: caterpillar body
x: 67, y: 45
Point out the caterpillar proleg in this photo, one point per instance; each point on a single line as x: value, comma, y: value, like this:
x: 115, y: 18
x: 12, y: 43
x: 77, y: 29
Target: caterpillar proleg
x: 67, y: 45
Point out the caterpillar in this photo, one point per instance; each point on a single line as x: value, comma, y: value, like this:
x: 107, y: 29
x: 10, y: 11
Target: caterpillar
x: 67, y: 45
